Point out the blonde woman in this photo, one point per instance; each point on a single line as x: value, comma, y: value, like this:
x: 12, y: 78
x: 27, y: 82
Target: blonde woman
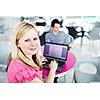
x: 25, y: 64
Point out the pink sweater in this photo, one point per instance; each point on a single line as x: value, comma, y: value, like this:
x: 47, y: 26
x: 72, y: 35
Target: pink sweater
x: 19, y: 72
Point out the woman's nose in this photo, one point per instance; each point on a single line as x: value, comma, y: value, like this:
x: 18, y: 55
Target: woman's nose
x: 33, y: 42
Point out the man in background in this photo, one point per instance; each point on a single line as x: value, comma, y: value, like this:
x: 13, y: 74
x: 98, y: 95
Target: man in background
x: 57, y: 36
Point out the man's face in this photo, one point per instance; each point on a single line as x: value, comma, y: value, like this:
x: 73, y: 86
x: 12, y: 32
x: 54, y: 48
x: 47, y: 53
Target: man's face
x: 56, y: 28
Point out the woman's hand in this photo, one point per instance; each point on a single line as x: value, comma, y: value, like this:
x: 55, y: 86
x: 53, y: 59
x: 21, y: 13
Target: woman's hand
x: 53, y: 65
x: 43, y: 60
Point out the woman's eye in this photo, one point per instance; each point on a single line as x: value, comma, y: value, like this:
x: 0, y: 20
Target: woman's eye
x: 27, y: 40
x: 34, y: 38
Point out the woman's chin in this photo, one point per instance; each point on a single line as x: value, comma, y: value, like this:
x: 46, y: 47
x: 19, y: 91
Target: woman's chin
x: 34, y: 52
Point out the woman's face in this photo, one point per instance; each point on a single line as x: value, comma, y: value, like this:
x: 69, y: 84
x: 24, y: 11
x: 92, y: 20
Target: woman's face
x: 29, y: 43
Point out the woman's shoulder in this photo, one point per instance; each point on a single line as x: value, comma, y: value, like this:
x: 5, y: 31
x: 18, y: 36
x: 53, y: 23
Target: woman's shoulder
x: 16, y: 62
x: 21, y: 72
x: 19, y: 65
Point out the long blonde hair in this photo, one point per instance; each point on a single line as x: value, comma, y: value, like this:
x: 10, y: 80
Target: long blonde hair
x: 18, y: 54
